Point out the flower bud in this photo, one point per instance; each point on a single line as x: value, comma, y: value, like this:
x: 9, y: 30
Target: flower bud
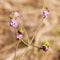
x: 20, y: 31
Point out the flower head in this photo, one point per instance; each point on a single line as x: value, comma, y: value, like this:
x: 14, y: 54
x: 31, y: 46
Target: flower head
x: 15, y: 14
x: 45, y: 48
x: 13, y: 23
x: 45, y: 13
x: 19, y: 36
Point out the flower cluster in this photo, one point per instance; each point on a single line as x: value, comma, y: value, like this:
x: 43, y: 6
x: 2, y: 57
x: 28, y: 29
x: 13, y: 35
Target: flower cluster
x: 15, y: 14
x: 46, y: 13
x: 13, y: 19
x: 13, y: 23
x: 19, y: 34
x: 45, y: 46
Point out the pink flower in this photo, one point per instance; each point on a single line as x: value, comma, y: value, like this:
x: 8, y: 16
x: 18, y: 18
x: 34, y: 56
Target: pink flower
x: 19, y: 36
x: 13, y: 23
x: 45, y: 48
x: 45, y: 13
x: 16, y: 14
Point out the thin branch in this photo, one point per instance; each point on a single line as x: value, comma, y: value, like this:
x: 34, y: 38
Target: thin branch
x: 25, y: 42
x: 36, y: 30
x: 24, y: 30
x: 16, y: 50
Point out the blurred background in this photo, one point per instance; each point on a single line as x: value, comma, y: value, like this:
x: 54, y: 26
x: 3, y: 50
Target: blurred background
x: 31, y: 16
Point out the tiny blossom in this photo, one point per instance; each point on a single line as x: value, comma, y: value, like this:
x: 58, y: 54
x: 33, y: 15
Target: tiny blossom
x: 16, y: 14
x: 13, y: 23
x: 45, y: 13
x: 45, y: 46
x: 19, y: 36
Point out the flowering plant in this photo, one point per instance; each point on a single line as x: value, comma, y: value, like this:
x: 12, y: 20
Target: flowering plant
x: 20, y: 33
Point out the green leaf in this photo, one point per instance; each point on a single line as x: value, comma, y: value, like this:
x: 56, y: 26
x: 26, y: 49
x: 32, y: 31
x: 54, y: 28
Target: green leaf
x: 21, y: 30
x: 10, y: 16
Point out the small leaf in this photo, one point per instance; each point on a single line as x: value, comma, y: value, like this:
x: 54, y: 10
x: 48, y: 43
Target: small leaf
x: 46, y: 7
x: 10, y: 16
x: 46, y: 43
x: 21, y: 30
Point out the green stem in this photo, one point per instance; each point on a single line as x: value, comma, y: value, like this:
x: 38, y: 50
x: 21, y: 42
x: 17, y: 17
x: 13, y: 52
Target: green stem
x: 30, y: 45
x: 16, y: 50
x: 25, y: 43
x: 25, y: 30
